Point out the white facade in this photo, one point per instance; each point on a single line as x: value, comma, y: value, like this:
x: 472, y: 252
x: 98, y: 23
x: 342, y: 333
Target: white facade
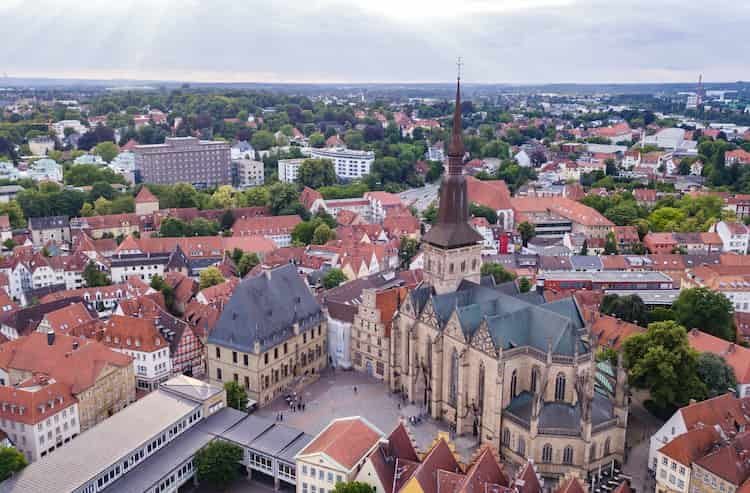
x: 151, y: 367
x: 674, y: 427
x: 523, y: 159
x: 671, y: 475
x: 145, y: 271
x: 734, y: 237
x: 339, y: 342
x: 77, y: 126
x: 348, y: 164
x: 289, y: 170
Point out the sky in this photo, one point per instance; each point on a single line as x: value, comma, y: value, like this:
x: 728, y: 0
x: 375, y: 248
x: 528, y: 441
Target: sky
x: 325, y: 41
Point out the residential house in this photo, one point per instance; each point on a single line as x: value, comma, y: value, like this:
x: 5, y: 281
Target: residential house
x: 100, y: 379
x: 38, y: 416
x: 735, y: 237
x: 660, y: 243
x: 277, y: 228
x: 726, y: 411
x: 736, y: 356
x: 336, y: 454
x: 49, y: 229
x: 140, y: 339
x: 733, y: 282
x: 146, y: 202
x: 625, y: 238
x: 674, y: 461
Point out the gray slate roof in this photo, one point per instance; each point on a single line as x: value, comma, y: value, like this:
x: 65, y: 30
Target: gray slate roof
x: 513, y: 320
x: 36, y: 223
x: 264, y: 309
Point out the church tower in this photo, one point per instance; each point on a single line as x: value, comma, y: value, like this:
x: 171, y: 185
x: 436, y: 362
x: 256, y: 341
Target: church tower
x: 452, y: 248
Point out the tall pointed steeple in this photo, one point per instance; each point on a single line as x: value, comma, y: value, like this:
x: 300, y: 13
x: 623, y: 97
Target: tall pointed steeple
x: 452, y: 228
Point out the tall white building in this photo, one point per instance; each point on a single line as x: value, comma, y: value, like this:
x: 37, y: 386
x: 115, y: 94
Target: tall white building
x: 289, y: 169
x: 249, y: 173
x: 349, y: 164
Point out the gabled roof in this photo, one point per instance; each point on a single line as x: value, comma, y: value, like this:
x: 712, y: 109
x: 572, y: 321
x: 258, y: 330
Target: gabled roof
x: 439, y: 458
x: 738, y: 357
x: 345, y: 440
x: 692, y: 445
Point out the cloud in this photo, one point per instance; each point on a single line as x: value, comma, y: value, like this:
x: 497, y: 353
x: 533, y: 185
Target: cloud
x: 514, y: 41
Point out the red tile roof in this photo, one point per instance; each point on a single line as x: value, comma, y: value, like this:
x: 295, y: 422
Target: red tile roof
x: 34, y: 401
x: 345, y: 440
x: 145, y: 196
x: 490, y: 193
x: 738, y: 357
x: 79, y: 368
x: 134, y: 334
x: 692, y: 445
x: 570, y: 209
x: 723, y: 410
x: 68, y: 318
x: 261, y: 226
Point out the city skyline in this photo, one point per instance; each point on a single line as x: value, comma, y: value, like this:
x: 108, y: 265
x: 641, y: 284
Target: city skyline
x: 534, y: 42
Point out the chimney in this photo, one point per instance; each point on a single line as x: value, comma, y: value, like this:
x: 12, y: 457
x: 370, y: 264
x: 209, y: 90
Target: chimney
x: 50, y: 337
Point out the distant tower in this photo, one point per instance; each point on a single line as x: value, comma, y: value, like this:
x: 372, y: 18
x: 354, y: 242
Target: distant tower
x: 700, y: 93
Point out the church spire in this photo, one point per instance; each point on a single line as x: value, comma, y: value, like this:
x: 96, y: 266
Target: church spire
x: 452, y: 228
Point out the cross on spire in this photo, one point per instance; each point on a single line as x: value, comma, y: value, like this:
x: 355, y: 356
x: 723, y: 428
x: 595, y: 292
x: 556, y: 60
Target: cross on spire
x: 459, y: 63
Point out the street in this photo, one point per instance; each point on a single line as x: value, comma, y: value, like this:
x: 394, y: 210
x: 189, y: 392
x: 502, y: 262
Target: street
x: 421, y: 197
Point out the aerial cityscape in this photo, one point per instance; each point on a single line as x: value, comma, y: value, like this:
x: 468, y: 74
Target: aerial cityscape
x: 483, y: 270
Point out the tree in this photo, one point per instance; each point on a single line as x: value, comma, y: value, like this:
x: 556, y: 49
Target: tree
x: 223, y: 197
x: 236, y: 396
x: 498, y: 272
x: 323, y: 234
x: 611, y: 167
x: 9, y: 244
x: 316, y: 173
x: 317, y: 140
x: 662, y: 361
x: 254, y: 197
x: 630, y: 308
x: 283, y: 199
x: 210, y: 277
x: 707, y: 310
x: 218, y: 463
x: 353, y: 487
x: 524, y: 285
x: 262, y: 140
x: 716, y: 374
x: 527, y: 232
x: 94, y: 277
x: 172, y: 227
x: 610, y: 245
x: 333, y: 278
x: 584, y: 248
x: 107, y: 150
x: 477, y: 210
x: 407, y: 250
x: 11, y: 461
x: 430, y: 214
x: 247, y: 262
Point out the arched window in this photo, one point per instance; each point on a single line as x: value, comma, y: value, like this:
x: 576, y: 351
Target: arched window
x: 568, y: 455
x: 606, y: 447
x: 463, y: 266
x: 474, y: 264
x: 453, y: 391
x: 513, y: 383
x: 480, y: 389
x: 547, y: 453
x: 521, y: 447
x: 450, y: 268
x: 560, y: 387
x: 592, y: 452
x: 534, y: 375
x: 428, y: 350
x: 506, y: 437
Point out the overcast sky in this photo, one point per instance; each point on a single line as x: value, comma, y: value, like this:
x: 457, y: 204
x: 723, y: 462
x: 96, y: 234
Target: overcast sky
x: 515, y: 41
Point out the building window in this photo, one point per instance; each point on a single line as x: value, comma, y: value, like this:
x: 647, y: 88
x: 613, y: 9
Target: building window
x: 245, y: 359
x: 592, y: 452
x: 506, y: 437
x: 218, y: 353
x: 521, y: 447
x: 234, y: 356
x: 513, y: 383
x: 606, y: 447
x: 568, y: 455
x: 560, y: 387
x: 547, y: 453
x: 218, y: 374
x: 534, y: 374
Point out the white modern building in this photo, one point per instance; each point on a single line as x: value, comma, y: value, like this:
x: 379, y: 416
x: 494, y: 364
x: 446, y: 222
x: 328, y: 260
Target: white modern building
x: 45, y: 170
x: 77, y: 126
x: 289, y: 169
x: 735, y: 237
x: 349, y: 164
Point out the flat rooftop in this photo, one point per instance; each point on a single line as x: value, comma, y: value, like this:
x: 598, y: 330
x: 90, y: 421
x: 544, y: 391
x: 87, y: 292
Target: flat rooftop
x: 606, y: 276
x: 91, y: 453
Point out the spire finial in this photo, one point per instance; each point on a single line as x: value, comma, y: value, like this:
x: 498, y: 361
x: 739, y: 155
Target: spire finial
x: 459, y: 63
